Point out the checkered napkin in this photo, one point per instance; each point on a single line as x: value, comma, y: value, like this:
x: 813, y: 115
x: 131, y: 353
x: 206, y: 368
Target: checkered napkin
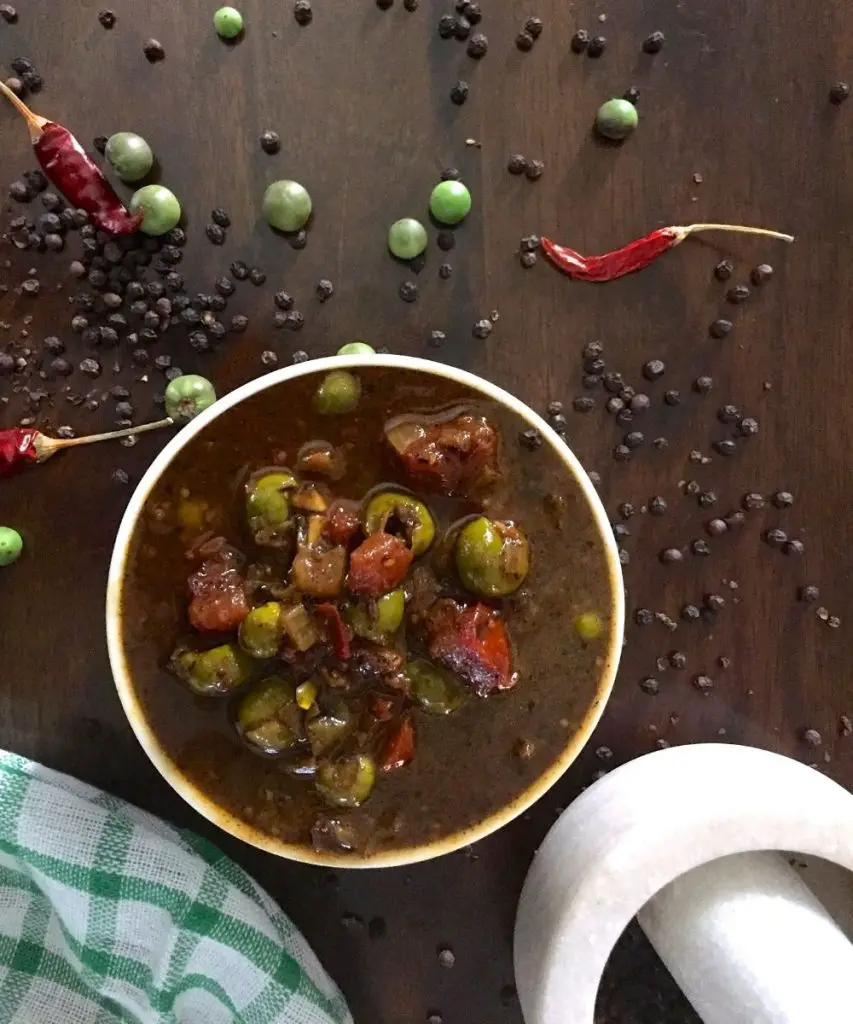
x: 109, y: 915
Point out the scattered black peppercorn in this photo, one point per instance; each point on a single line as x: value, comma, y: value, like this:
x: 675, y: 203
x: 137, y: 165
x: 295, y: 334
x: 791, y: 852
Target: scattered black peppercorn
x: 783, y: 499
x: 437, y: 338
x: 459, y: 92
x: 734, y: 519
x: 725, y: 447
x: 703, y: 683
x: 534, y: 27
x: 720, y: 328
x: 614, y: 405
x: 90, y: 368
x: 517, y: 164
x: 472, y: 12
x: 270, y: 142
x: 775, y: 538
x: 657, y: 505
x: 408, y: 291
x: 411, y: 5
x: 220, y: 218
x: 294, y: 320
x: 634, y: 439
x: 669, y: 556
x: 654, y: 369
x: 812, y: 737
x: 621, y: 453
x: 748, y: 427
x: 596, y: 47
x: 444, y: 271
x: 672, y: 397
x: 580, y: 41
x: 528, y: 259
x: 758, y: 275
x: 107, y: 19
x: 583, y: 403
x: 700, y: 548
x: 324, y: 290
x: 793, y: 547
x: 702, y: 385
x: 239, y: 271
x: 839, y: 93
x: 299, y: 239
x: 303, y: 13
x: 740, y: 293
x: 238, y: 324
x: 445, y: 240
x: 690, y: 613
x: 257, y: 277
x: 724, y: 270
x: 752, y: 501
x: 650, y: 686
x: 715, y: 527
x: 644, y: 616
x: 653, y: 43
x: 154, y: 51
x: 482, y: 329
x: 462, y: 29
x: 728, y: 414
x: 524, y: 42
x: 621, y: 531
x: 632, y: 95
x: 446, y: 26
x: 530, y: 439
x: 677, y: 659
x: 534, y: 170
x: 478, y: 46
x: 808, y: 594
x: 215, y: 234
x: 8, y: 14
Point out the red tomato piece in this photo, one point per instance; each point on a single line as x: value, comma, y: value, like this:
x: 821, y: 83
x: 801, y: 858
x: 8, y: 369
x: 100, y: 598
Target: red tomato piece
x: 378, y: 565
x: 472, y: 642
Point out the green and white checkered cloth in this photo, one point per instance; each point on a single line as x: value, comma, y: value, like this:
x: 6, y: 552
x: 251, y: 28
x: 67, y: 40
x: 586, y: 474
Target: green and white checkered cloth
x: 110, y: 915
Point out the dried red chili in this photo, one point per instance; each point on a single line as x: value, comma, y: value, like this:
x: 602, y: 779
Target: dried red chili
x: 337, y: 629
x: 78, y: 178
x: 21, y: 447
x: 637, y: 254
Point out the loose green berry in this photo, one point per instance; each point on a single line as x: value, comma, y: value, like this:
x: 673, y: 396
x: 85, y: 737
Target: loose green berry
x: 228, y: 22
x: 11, y: 545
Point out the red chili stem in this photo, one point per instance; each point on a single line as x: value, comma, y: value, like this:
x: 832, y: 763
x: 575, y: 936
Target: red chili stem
x: 78, y: 178
x: 637, y: 254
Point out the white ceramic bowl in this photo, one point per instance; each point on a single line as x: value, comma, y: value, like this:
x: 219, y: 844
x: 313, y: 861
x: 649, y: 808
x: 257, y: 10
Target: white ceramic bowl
x: 242, y: 829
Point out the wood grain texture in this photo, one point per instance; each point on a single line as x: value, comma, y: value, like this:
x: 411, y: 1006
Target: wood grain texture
x: 739, y: 95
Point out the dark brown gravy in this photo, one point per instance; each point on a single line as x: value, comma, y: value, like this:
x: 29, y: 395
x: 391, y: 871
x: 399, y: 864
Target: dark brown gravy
x: 465, y: 767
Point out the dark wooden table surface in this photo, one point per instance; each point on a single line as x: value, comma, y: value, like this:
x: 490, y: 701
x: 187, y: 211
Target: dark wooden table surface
x: 735, y: 124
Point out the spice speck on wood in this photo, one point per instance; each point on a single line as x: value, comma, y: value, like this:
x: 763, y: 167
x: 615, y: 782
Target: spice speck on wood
x: 107, y: 19
x: 154, y: 51
x: 597, y: 46
x: 724, y: 270
x: 839, y: 93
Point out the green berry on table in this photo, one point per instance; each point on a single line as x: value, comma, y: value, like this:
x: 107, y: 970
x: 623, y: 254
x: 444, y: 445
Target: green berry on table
x: 287, y: 205
x: 11, y: 545
x: 130, y: 155
x: 356, y: 348
x: 162, y: 211
x: 616, y: 119
x: 407, y: 238
x: 187, y: 396
x: 450, y: 202
x: 228, y: 22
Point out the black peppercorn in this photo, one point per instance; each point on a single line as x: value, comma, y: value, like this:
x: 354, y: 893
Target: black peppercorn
x: 596, y: 366
x: 530, y: 439
x: 238, y: 324
x: 723, y: 270
x: 715, y: 527
x: 257, y: 277
x: 596, y: 46
x: 775, y: 538
x: 517, y: 164
x: 324, y: 290
x: 624, y: 417
x: 650, y: 686
x: 748, y: 427
x: 669, y: 556
x: 482, y: 329
x: 672, y: 397
x: 634, y: 439
x: 462, y: 29
x: 295, y: 321
x: 715, y: 602
x: 591, y: 381
x: 690, y: 613
x: 478, y: 45
x: 220, y: 218
x: 839, y: 93
x: 738, y: 294
x: 728, y: 414
x: 734, y: 520
x: 640, y: 403
x: 270, y: 142
x: 614, y: 405
x: 758, y: 275
x: 752, y: 501
x: 700, y: 548
x: 408, y: 291
x: 444, y: 271
x: 644, y: 616
x: 437, y: 338
x: 8, y: 14
x: 534, y: 170
x: 446, y: 26
x: 621, y: 453
x: 632, y: 95
x: 90, y: 368
x: 445, y: 240
x: 154, y: 51
x: 793, y: 547
x: 702, y: 385
x: 583, y: 403
x: 580, y: 41
x: 239, y: 271
x: 808, y: 594
x: 528, y: 260
x: 783, y: 499
x: 302, y: 12
x: 704, y: 684
x: 524, y: 42
x: 654, y: 369
x: 720, y: 328
x: 215, y: 234
x: 459, y: 92
x: 725, y: 447
x: 657, y: 505
x: 653, y: 43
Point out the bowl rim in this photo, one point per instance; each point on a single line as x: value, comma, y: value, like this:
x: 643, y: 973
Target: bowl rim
x: 229, y: 822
